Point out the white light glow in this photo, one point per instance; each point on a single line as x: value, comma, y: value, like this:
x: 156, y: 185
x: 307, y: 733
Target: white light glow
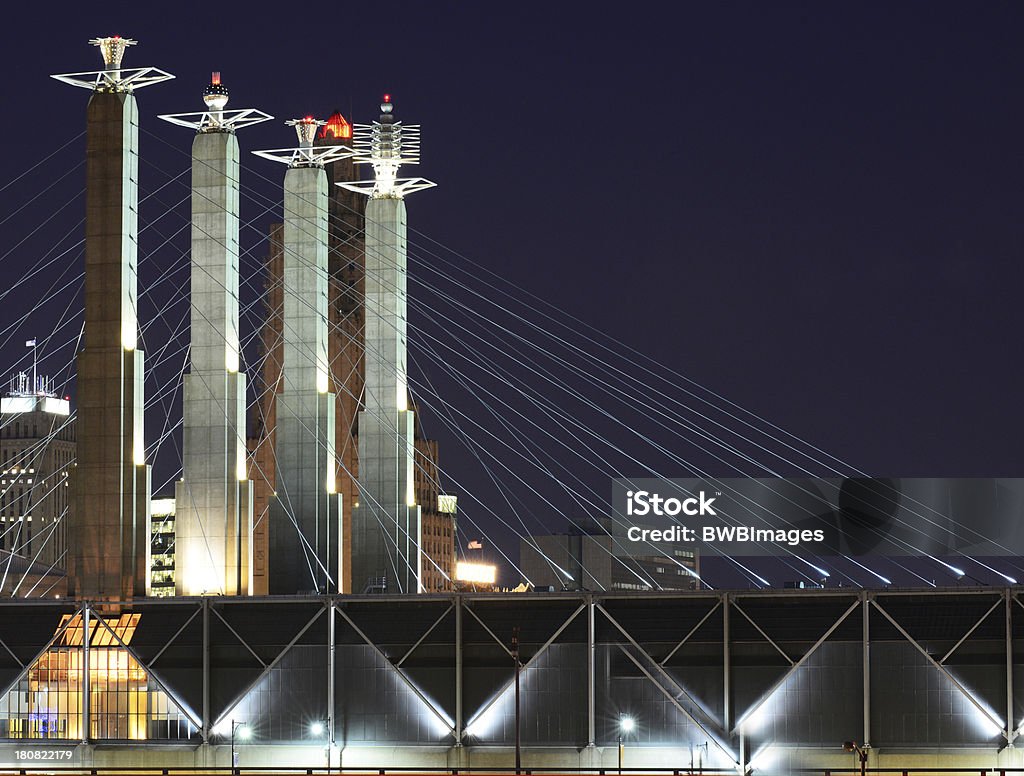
x: 14, y: 405
x: 129, y: 332
x: 481, y: 573
x: 161, y: 507
x: 199, y: 574
x: 317, y: 728
x: 764, y: 758
x: 627, y: 724
x: 402, y: 396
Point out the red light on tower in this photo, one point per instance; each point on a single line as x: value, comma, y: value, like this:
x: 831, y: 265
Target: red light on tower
x: 387, y: 98
x: 215, y: 78
x: 337, y: 127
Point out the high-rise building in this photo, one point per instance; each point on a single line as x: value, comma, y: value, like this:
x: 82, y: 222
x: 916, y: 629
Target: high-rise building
x: 108, y: 534
x: 37, y: 449
x: 438, y: 515
x: 162, y: 545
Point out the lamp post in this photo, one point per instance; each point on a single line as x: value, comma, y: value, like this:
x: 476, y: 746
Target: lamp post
x: 518, y: 665
x: 626, y: 725
x: 862, y: 754
x: 243, y: 733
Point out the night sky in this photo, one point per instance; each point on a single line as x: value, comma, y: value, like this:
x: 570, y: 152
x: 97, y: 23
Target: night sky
x: 812, y: 209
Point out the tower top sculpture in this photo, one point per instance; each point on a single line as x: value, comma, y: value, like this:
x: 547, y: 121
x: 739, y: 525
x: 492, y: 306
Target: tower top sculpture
x: 305, y: 155
x: 387, y: 145
x: 113, y: 78
x: 215, y: 118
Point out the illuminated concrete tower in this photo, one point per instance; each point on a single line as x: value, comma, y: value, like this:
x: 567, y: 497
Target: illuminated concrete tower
x: 108, y: 536
x: 386, y: 526
x: 305, y: 512
x: 213, y: 500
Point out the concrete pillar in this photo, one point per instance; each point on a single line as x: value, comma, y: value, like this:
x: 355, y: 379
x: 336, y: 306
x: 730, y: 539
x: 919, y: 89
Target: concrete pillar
x: 305, y: 513
x: 108, y: 537
x: 386, y: 525
x: 213, y: 510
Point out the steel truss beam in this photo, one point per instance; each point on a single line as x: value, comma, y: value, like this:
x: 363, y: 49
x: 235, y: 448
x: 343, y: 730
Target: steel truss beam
x: 268, y: 667
x: 177, y: 633
x: 483, y: 710
x: 426, y: 633
x: 795, y: 667
x: 715, y: 732
x: 238, y: 636
x: 491, y: 633
x: 687, y: 637
x: 999, y: 602
x: 942, y: 669
x: 760, y: 630
x: 399, y: 672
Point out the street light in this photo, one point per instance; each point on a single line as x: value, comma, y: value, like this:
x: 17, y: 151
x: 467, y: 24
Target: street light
x: 322, y: 727
x: 862, y: 753
x: 626, y: 725
x: 244, y: 732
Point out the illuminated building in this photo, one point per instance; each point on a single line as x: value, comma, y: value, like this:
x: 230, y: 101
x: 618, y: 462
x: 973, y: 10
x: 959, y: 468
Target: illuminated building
x: 162, y: 546
x: 773, y: 681
x: 48, y: 700
x: 439, y: 521
x: 108, y: 535
x: 589, y: 554
x: 37, y: 449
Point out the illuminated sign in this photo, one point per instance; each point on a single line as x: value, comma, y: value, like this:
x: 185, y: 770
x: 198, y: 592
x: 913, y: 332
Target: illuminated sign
x: 480, y: 573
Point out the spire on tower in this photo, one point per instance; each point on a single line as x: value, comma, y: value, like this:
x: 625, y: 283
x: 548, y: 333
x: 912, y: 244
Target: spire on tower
x: 215, y: 118
x: 305, y: 155
x: 112, y: 78
x: 387, y: 144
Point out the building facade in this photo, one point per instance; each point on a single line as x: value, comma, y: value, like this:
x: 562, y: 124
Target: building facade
x: 595, y: 560
x: 749, y: 682
x: 37, y: 451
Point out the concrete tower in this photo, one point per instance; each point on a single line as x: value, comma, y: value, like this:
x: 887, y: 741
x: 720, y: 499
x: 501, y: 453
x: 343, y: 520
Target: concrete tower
x: 213, y: 500
x: 108, y: 536
x: 386, y: 526
x: 305, y: 512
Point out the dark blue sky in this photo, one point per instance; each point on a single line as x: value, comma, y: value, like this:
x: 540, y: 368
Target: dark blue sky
x: 814, y: 209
